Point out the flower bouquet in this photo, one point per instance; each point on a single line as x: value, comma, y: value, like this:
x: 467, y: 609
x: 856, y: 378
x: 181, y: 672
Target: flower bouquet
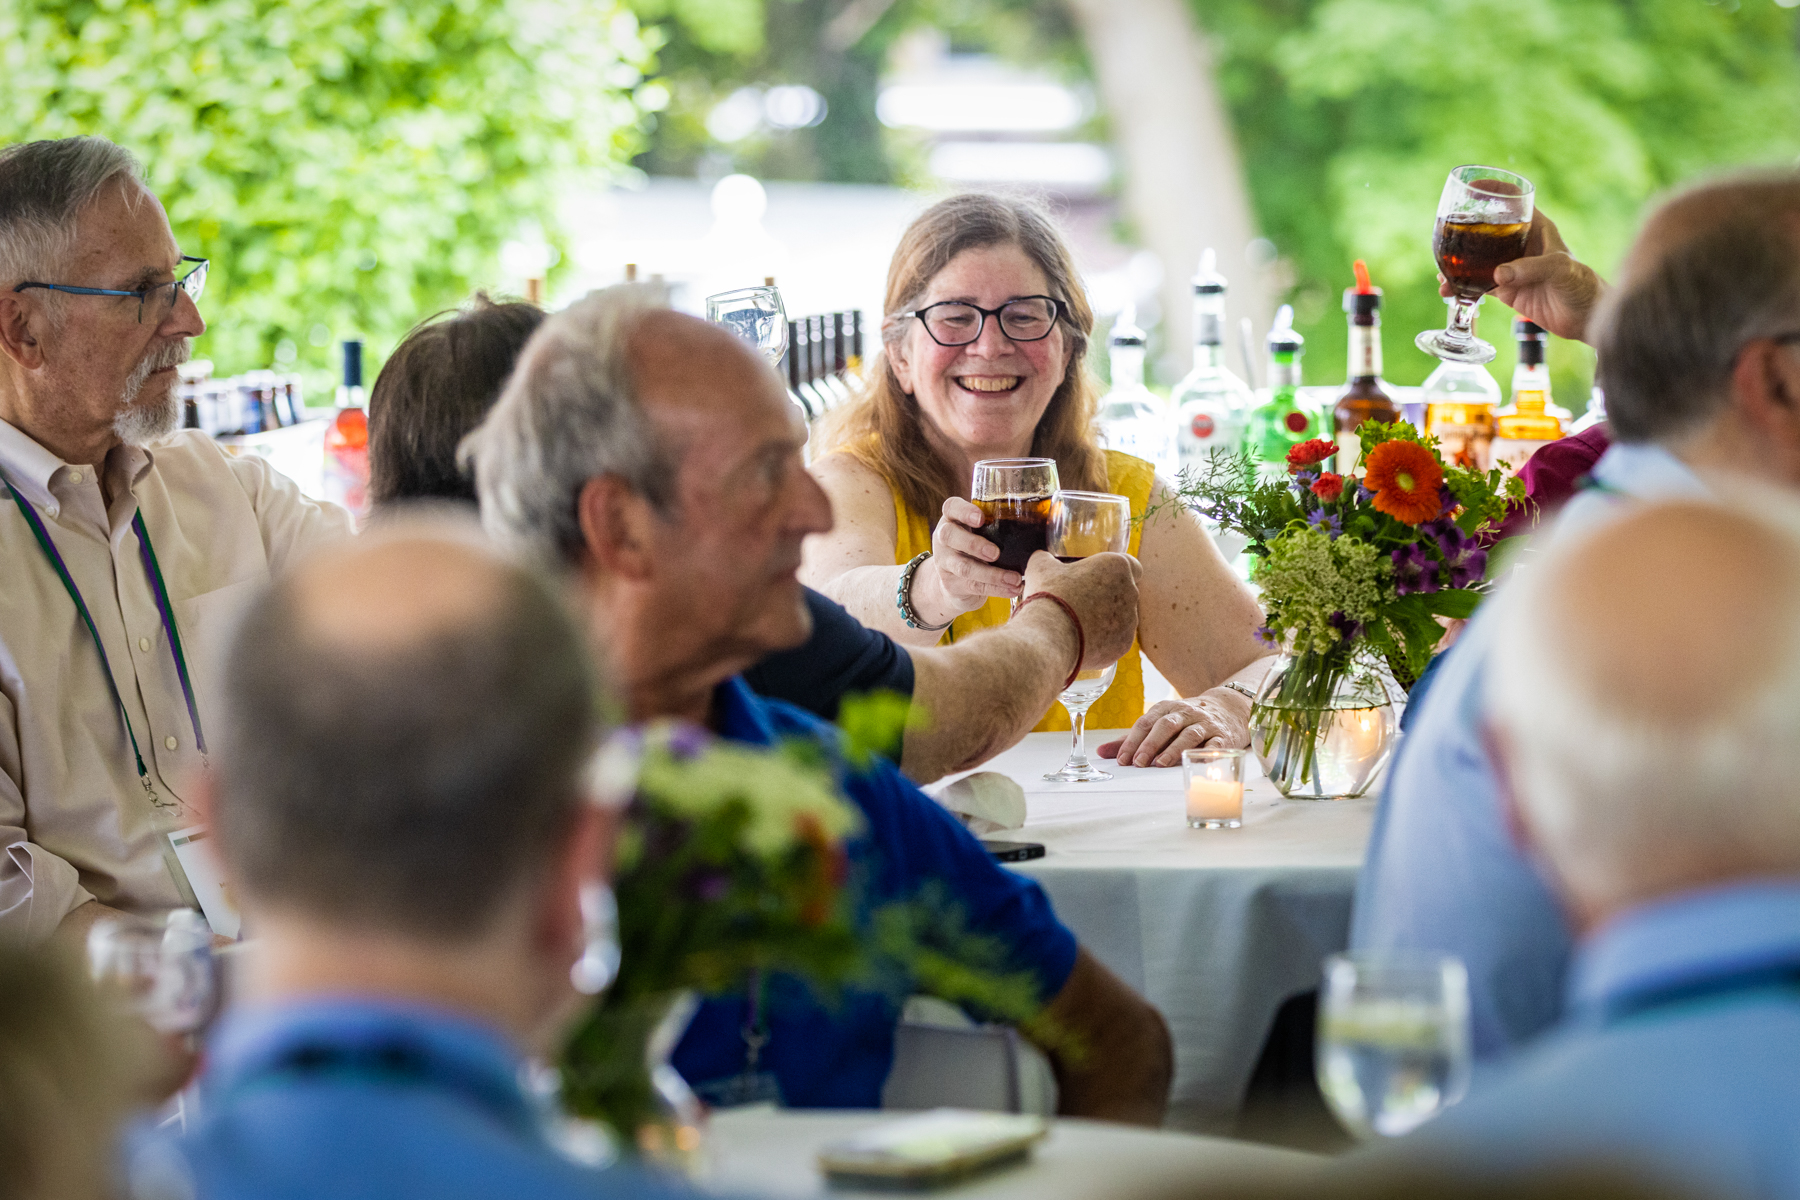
x: 1355, y: 573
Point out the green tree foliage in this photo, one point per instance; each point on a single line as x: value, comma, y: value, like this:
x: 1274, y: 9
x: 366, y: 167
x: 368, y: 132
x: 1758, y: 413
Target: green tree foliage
x: 349, y: 166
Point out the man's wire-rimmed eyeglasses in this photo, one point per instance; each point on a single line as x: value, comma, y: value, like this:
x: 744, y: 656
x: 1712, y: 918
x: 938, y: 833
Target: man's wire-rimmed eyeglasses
x: 956, y: 323
x: 193, y: 283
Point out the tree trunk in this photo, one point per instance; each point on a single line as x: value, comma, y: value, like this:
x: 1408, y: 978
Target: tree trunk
x: 1184, y: 185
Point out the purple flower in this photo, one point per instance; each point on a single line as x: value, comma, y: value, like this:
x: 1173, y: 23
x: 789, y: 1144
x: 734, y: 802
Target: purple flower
x: 1265, y: 635
x: 1351, y: 630
x: 687, y: 741
x: 1465, y: 562
x: 1414, y: 570
x: 1331, y: 523
x: 1303, y: 481
x: 708, y: 884
x: 1363, y: 494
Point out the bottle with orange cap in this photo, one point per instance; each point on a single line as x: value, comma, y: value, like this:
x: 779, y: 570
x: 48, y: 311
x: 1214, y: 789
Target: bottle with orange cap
x: 1365, y: 397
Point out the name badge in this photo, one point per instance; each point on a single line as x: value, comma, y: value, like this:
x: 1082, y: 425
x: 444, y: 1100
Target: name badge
x: 203, y: 876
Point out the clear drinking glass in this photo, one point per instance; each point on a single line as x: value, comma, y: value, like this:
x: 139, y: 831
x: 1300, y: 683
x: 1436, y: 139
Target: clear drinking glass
x: 1483, y: 219
x: 754, y: 314
x: 1016, y: 497
x: 1213, y: 779
x: 161, y: 971
x: 1393, y: 1045
x: 1085, y: 523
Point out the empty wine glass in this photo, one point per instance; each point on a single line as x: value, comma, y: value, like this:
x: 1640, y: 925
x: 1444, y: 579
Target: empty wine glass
x: 1084, y: 523
x: 161, y: 971
x: 1015, y: 496
x: 1483, y: 219
x: 754, y: 314
x: 1393, y: 1045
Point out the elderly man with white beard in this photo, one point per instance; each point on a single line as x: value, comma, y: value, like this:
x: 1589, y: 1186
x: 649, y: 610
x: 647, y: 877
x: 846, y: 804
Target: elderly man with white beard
x: 126, y: 542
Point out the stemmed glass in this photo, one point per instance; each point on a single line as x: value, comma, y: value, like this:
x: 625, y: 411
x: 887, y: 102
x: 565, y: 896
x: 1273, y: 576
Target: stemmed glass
x: 1483, y: 219
x: 162, y: 971
x: 754, y: 314
x: 1015, y: 496
x: 1087, y: 523
x: 1393, y: 1045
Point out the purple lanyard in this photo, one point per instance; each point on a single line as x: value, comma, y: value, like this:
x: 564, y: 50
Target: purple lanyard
x: 162, y: 605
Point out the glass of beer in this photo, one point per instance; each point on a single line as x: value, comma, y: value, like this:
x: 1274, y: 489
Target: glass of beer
x: 756, y: 315
x: 1086, y: 523
x: 1015, y: 496
x: 1483, y: 218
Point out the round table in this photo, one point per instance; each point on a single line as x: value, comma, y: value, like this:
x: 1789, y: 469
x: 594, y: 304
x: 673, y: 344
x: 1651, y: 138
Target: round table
x: 769, y: 1153
x: 1215, y: 927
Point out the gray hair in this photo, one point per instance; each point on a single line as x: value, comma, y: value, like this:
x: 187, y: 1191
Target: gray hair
x: 1669, y: 335
x: 43, y: 188
x: 1628, y: 799
x: 569, y: 413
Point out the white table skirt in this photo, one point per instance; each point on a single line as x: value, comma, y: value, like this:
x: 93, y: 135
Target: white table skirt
x: 775, y: 1154
x: 1214, y: 927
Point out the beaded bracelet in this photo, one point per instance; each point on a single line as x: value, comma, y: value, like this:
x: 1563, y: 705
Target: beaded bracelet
x: 903, y: 597
x: 1080, y: 634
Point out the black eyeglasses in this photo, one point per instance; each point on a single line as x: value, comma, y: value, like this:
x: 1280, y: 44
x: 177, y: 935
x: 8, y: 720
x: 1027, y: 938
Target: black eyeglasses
x: 193, y: 283
x: 955, y: 323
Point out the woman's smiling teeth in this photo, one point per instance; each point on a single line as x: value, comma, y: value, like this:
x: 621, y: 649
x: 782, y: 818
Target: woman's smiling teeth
x: 988, y: 383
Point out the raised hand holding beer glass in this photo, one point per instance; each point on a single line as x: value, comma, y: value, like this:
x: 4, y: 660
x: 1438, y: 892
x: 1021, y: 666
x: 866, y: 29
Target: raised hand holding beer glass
x: 1483, y: 219
x: 1086, y: 523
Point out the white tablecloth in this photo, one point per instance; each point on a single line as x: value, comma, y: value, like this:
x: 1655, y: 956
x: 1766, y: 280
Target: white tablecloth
x: 775, y: 1154
x: 1215, y: 927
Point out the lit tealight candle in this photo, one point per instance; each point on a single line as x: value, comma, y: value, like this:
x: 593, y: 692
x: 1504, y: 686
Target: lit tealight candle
x: 1215, y: 803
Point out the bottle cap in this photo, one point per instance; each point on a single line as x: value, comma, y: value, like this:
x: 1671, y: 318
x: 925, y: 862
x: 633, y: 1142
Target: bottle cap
x: 353, y: 364
x: 1283, y: 338
x: 1365, y: 297
x: 1525, y: 329
x: 1125, y: 331
x: 1207, y: 280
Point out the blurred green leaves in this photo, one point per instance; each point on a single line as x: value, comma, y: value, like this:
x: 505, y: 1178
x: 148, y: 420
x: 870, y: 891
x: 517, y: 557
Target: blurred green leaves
x: 350, y: 166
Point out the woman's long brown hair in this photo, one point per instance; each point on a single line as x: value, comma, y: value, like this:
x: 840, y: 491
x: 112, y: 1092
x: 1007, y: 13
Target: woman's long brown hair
x: 884, y: 428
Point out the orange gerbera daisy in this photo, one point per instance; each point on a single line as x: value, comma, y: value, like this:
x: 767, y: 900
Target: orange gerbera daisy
x: 1405, y: 478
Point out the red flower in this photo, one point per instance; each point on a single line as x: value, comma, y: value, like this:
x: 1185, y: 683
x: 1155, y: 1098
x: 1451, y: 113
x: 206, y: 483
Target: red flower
x: 1405, y: 478
x: 1316, y: 450
x: 1328, y: 487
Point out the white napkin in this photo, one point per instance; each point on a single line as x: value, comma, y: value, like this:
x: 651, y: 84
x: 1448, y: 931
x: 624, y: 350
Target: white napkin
x: 987, y: 802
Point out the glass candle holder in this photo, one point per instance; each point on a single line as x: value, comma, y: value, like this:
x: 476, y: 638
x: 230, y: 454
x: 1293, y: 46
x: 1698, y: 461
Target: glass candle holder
x: 1214, y: 782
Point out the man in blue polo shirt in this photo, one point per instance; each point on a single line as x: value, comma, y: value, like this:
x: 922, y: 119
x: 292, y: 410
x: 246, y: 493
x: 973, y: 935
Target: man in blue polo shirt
x: 657, y: 458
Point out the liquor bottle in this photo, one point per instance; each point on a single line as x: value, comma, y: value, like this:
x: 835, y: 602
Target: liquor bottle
x: 1364, y: 397
x: 1280, y: 423
x: 1595, y: 414
x: 1211, y: 405
x: 1528, y: 423
x: 1460, y: 399
x: 1132, y: 419
x: 347, y: 441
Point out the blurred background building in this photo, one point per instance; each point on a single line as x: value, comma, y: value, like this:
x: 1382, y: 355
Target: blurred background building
x: 352, y: 166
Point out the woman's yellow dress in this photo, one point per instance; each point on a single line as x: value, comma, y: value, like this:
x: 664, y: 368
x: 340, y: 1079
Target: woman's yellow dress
x: 1123, y: 702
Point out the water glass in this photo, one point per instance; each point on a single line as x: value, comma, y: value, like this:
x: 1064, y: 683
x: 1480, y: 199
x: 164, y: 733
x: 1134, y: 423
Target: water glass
x: 1393, y: 1043
x: 1084, y: 523
x: 1213, y: 778
x: 161, y: 971
x: 756, y: 315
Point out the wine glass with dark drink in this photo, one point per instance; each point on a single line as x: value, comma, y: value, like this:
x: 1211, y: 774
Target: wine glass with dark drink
x: 1483, y: 219
x: 1087, y: 523
x: 1015, y: 496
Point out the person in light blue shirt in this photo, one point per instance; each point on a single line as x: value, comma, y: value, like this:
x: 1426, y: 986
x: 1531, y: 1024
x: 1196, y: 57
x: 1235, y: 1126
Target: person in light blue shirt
x: 1648, y: 725
x: 400, y: 793
x: 1697, y: 354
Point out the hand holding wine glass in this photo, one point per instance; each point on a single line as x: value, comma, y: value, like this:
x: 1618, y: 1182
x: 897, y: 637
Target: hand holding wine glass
x: 1548, y: 286
x: 1483, y: 219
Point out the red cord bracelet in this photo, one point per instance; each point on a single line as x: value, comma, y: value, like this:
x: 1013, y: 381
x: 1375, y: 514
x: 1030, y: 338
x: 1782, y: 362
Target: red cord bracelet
x: 1080, y: 636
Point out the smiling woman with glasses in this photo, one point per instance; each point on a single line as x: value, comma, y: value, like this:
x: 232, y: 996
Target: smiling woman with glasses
x: 984, y: 357
x: 158, y: 298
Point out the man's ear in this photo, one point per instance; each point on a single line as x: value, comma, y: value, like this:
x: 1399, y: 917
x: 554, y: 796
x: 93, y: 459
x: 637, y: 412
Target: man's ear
x: 618, y: 527
x: 582, y: 858
x: 1765, y: 386
x: 18, y: 331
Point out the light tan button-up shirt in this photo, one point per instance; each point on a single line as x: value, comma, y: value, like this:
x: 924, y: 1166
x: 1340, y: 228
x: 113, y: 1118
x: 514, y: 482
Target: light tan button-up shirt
x: 76, y: 823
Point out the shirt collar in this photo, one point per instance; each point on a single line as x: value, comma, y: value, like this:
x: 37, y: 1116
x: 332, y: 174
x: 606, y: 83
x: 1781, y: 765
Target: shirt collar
x: 1648, y: 472
x: 34, y: 468
x: 1737, y: 929
x: 456, y: 1052
x: 742, y: 715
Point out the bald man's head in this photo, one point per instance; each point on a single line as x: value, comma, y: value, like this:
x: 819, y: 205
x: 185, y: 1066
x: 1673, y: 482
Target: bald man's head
x: 1713, y: 268
x: 408, y: 717
x: 1647, y: 689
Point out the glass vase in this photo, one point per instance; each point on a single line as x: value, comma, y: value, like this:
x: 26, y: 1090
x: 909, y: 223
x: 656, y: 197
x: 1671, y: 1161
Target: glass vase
x: 1323, y: 725
x: 617, y: 1069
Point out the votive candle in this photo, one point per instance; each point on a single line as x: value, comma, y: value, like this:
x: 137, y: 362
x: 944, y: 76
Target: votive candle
x: 1214, y: 779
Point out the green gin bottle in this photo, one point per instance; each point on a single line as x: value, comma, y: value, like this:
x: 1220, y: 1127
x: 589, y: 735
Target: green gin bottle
x: 1280, y: 422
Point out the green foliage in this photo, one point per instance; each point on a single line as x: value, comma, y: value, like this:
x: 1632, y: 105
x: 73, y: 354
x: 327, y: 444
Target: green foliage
x: 350, y: 166
x: 875, y: 723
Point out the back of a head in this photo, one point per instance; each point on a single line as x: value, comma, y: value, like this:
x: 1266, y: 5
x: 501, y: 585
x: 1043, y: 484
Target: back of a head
x: 1713, y: 268
x: 438, y: 385
x: 408, y: 720
x: 43, y: 188
x: 1647, y: 688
